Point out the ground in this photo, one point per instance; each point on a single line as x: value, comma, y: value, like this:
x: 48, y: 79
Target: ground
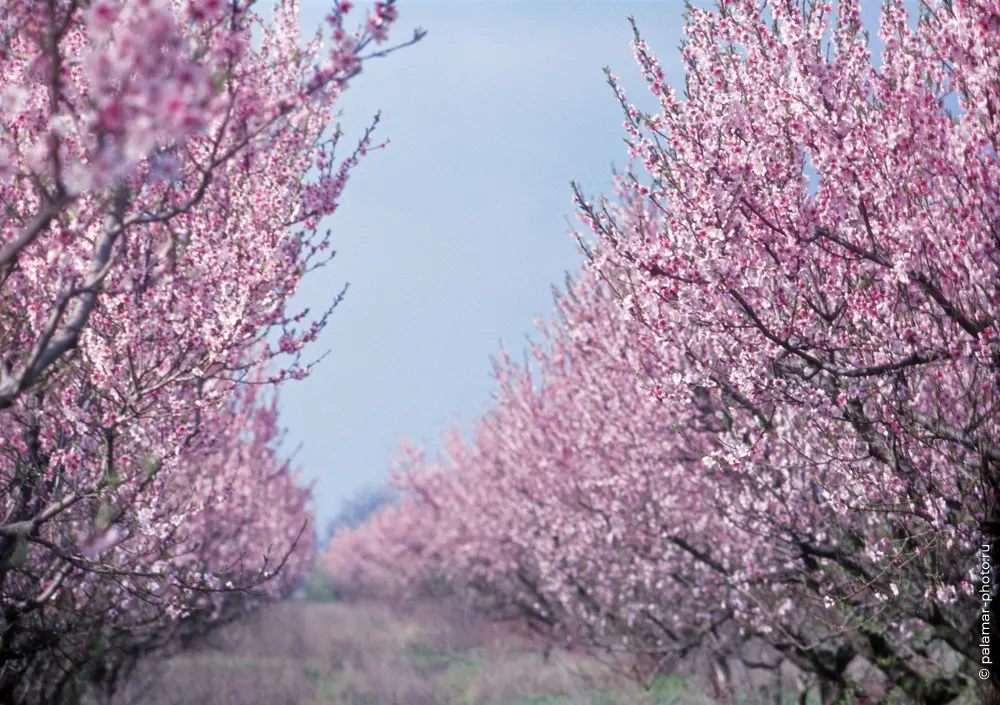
x: 371, y: 653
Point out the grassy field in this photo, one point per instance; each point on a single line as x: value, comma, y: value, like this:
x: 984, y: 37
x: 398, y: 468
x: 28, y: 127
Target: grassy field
x: 367, y: 653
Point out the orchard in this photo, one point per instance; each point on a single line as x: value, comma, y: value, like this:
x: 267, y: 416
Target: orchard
x: 765, y: 410
x: 767, y: 407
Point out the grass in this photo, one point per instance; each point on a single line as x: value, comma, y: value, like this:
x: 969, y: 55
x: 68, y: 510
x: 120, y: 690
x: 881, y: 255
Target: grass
x: 368, y: 653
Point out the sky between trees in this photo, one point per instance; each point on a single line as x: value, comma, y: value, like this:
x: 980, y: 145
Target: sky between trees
x: 452, y: 237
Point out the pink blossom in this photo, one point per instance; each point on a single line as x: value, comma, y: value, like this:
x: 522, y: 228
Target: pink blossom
x: 101, y: 18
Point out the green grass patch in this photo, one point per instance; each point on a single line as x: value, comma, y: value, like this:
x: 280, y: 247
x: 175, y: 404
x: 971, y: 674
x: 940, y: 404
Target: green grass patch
x: 318, y: 587
x: 544, y: 700
x: 428, y: 661
x: 328, y: 689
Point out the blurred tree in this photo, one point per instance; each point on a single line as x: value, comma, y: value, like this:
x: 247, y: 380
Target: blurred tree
x: 355, y: 510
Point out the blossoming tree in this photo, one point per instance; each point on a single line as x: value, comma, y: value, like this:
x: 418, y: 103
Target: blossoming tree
x: 220, y: 534
x: 818, y: 235
x: 163, y: 180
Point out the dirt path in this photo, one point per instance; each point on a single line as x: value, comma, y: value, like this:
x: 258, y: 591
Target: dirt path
x: 367, y: 653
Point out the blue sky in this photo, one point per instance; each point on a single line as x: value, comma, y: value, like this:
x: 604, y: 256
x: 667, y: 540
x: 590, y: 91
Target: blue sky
x: 452, y: 237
